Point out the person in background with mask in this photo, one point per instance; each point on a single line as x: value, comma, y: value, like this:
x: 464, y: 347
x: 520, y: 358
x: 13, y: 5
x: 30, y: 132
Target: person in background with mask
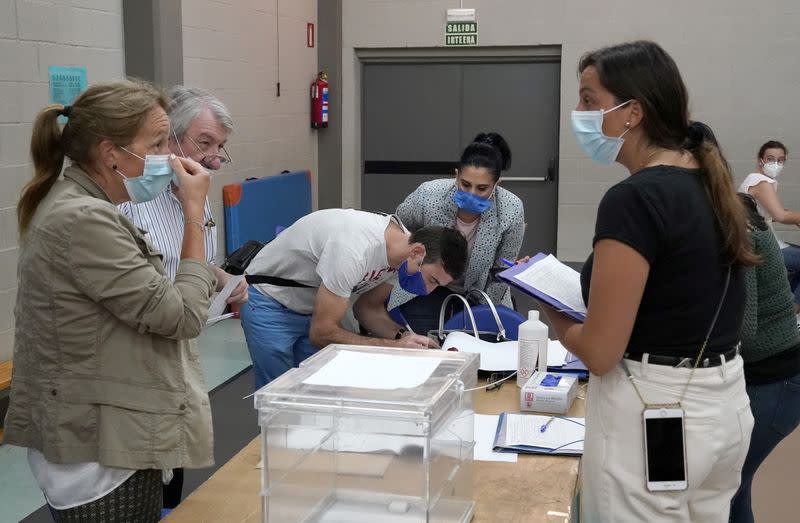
x: 664, y: 289
x: 107, y: 392
x: 304, y: 281
x: 200, y: 127
x: 491, y: 218
x: 763, y: 186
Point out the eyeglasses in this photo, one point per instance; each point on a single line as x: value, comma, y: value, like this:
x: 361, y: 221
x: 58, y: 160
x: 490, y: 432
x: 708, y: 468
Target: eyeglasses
x: 771, y: 159
x: 210, y: 157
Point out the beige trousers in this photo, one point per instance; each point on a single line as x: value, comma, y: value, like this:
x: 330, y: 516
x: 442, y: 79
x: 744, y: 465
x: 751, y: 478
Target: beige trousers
x: 717, y: 433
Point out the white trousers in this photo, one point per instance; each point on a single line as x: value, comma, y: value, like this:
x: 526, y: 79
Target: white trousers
x: 717, y: 424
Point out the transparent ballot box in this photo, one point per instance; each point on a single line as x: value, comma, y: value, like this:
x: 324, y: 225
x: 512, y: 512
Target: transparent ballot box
x: 369, y: 434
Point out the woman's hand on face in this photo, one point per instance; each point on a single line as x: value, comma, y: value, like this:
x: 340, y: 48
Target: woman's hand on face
x: 193, y: 181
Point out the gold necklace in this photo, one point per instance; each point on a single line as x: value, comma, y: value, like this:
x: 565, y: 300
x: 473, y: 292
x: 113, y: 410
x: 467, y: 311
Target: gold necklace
x: 647, y: 159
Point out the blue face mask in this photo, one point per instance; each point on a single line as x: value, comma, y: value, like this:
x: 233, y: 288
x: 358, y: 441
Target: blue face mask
x: 588, y: 129
x: 413, y: 283
x: 154, y: 180
x: 470, y: 202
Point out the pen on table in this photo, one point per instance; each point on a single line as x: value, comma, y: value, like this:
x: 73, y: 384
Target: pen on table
x: 544, y: 427
x: 507, y: 262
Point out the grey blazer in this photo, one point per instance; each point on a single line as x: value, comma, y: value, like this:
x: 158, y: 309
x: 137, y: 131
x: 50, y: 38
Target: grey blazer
x: 499, y: 234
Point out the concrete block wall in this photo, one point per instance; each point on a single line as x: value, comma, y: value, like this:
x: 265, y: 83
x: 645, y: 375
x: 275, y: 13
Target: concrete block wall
x: 239, y: 51
x: 737, y: 58
x: 33, y: 36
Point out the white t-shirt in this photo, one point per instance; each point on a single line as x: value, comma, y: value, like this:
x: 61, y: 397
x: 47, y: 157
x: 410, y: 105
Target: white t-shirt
x: 752, y: 180
x: 344, y: 249
x: 74, y: 484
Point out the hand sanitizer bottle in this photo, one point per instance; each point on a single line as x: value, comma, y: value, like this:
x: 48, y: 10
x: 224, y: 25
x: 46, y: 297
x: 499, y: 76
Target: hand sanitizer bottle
x: 532, y: 346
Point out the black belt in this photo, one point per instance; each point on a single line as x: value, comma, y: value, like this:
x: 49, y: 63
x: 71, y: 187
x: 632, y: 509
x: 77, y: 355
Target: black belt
x: 676, y: 361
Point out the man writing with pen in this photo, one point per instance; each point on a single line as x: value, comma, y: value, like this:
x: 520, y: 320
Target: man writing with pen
x: 303, y: 283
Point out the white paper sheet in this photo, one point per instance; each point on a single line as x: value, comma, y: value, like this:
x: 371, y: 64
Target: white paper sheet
x: 212, y: 321
x: 374, y: 371
x: 556, y: 353
x: 485, y: 430
x: 493, y: 356
x: 559, y: 356
x: 218, y: 305
x: 556, y: 280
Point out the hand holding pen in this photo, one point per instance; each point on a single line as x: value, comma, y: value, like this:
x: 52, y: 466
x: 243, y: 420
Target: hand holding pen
x: 524, y: 259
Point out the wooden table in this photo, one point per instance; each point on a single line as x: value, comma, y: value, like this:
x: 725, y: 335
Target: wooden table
x: 535, y: 489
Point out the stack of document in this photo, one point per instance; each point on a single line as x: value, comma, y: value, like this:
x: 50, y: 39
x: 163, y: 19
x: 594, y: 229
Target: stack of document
x: 502, y: 356
x: 539, y: 434
x: 547, y: 279
x: 559, y: 359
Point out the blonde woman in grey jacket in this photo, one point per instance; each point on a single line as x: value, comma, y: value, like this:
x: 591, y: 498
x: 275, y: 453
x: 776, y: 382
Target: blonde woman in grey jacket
x: 107, y: 389
x: 490, y: 217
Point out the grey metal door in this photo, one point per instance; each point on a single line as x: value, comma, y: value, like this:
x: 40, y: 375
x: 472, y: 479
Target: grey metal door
x: 418, y: 117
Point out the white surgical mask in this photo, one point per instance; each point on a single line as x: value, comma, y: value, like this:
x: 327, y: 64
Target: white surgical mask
x: 588, y: 129
x: 772, y: 169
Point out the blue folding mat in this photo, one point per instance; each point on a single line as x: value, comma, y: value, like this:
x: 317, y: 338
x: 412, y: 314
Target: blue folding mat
x: 257, y: 207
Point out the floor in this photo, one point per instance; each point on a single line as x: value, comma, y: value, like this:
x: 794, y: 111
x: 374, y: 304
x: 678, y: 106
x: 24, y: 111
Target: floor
x: 224, y: 357
x: 225, y: 364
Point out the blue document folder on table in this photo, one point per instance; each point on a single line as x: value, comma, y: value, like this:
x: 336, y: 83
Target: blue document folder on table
x: 535, y: 434
x: 542, y: 277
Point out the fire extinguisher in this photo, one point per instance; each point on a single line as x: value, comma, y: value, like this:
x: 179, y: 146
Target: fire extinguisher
x: 319, y: 101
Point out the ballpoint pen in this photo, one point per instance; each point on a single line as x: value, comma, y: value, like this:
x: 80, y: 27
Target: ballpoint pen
x: 544, y: 427
x: 507, y: 262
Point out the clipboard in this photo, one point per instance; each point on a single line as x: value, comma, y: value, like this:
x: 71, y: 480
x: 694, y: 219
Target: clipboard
x: 509, y: 276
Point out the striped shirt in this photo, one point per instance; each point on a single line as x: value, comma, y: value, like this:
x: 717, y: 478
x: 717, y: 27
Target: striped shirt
x: 162, y: 219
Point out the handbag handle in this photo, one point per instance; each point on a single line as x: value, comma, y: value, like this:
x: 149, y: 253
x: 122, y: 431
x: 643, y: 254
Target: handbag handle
x: 501, y: 330
x: 466, y: 308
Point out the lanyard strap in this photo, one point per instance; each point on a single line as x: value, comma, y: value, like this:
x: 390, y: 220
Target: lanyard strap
x: 696, y: 361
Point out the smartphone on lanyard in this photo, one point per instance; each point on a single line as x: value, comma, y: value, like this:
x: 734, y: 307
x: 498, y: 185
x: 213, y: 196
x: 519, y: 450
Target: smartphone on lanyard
x: 664, y: 449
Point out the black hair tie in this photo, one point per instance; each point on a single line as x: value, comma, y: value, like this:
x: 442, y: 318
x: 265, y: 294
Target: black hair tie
x: 66, y: 110
x: 695, y: 134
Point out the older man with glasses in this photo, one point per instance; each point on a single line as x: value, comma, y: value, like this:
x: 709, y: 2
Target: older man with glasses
x: 200, y: 125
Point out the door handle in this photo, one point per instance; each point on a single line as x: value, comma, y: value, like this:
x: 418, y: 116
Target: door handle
x: 551, y: 174
x: 524, y: 178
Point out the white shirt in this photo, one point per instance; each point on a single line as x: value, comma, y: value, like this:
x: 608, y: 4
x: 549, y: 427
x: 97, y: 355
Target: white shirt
x: 162, y: 218
x: 344, y: 249
x: 753, y: 179
x: 74, y: 484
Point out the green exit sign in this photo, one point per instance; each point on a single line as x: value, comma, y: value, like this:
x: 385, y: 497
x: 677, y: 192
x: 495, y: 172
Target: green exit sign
x: 461, y: 34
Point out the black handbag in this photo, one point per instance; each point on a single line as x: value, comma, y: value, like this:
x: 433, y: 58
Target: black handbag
x: 239, y: 259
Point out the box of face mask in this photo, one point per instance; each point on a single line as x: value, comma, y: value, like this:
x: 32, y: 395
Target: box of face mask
x: 548, y: 392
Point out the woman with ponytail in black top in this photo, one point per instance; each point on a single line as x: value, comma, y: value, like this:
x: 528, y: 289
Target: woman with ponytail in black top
x: 665, y: 296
